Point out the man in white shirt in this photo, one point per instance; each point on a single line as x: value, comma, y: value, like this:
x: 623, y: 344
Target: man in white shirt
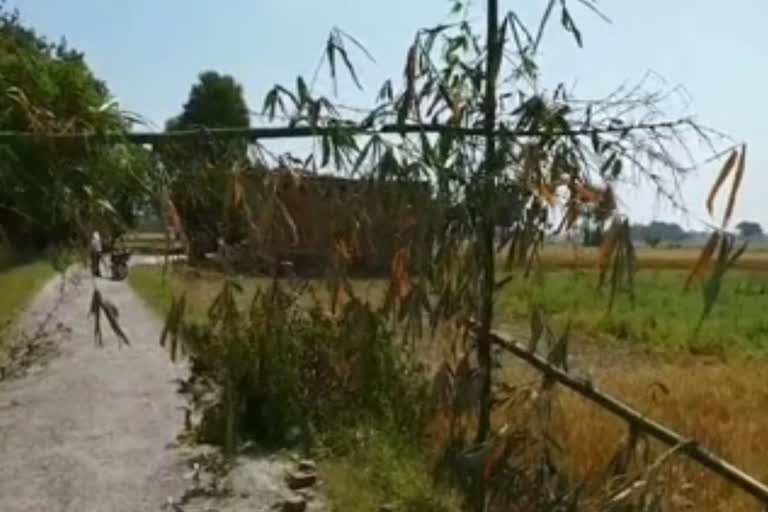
x: 96, y: 254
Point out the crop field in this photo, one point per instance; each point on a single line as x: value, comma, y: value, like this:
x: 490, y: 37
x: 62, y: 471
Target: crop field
x: 703, y: 383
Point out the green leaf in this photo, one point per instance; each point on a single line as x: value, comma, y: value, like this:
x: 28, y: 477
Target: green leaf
x: 568, y: 23
x: 385, y: 93
x: 303, y: 91
x: 537, y: 326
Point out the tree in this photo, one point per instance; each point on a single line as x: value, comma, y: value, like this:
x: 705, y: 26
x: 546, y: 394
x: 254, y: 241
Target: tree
x: 658, y: 231
x: 215, y: 101
x: 49, y: 194
x: 749, y: 229
x: 198, y: 171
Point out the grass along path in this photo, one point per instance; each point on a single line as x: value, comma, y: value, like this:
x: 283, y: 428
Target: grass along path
x: 18, y: 284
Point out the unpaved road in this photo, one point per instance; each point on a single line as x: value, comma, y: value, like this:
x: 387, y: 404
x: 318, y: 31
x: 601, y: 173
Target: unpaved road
x: 88, y: 432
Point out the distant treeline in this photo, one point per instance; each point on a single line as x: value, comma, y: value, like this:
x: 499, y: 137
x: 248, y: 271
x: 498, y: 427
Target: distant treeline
x: 660, y: 232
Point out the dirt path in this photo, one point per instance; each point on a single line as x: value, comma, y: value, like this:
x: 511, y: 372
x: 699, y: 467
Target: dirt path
x: 88, y: 432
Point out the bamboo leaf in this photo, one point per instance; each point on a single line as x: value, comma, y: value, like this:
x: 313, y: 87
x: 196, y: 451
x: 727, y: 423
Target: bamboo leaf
x: 351, y: 69
x: 386, y: 92
x: 95, y: 310
x: 326, y: 150
x: 497, y: 454
x: 736, y: 255
x: 724, y: 172
x: 303, y: 91
x: 543, y: 23
x: 357, y: 43
x: 168, y: 324
x: 607, y: 250
x: 735, y: 187
x: 558, y: 355
x: 330, y: 54
x: 705, y: 257
x: 111, y: 312
x: 289, y: 220
x: 711, y: 292
x: 537, y: 326
x: 568, y: 23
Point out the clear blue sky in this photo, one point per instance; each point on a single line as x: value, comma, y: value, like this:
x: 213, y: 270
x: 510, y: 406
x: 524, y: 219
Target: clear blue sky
x: 150, y: 51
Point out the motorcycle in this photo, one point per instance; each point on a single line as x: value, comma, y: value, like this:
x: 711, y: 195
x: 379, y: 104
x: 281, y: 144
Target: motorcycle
x: 118, y: 259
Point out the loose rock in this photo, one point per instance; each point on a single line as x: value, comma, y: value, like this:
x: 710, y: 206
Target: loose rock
x: 307, y: 465
x: 294, y: 504
x: 301, y: 479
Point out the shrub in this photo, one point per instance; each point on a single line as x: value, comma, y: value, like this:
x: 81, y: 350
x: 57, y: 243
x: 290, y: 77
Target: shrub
x: 278, y: 370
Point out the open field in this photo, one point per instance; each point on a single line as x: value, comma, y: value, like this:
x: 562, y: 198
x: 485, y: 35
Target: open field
x: 714, y: 400
x: 663, y: 314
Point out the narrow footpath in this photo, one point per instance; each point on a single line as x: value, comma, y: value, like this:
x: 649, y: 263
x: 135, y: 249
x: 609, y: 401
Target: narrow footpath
x: 91, y: 429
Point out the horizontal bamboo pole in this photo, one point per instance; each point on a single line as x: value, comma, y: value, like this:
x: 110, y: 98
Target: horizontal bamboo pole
x: 262, y: 133
x: 689, y: 447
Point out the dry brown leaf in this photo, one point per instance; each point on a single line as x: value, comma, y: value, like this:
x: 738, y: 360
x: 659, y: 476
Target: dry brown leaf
x: 238, y: 191
x: 608, y: 247
x: 172, y: 217
x: 343, y: 251
x: 589, y: 194
x: 499, y: 452
x: 569, y: 218
x: 401, y: 278
x: 724, y: 172
x: 288, y: 220
x: 545, y: 192
x: 735, y: 187
x: 704, y: 259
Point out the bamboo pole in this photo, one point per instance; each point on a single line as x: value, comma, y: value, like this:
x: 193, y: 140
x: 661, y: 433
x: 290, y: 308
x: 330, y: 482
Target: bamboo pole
x: 688, y: 447
x: 487, y: 224
x: 264, y: 133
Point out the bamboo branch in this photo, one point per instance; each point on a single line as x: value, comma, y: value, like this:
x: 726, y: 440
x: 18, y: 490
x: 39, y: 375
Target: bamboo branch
x: 689, y: 447
x: 263, y: 133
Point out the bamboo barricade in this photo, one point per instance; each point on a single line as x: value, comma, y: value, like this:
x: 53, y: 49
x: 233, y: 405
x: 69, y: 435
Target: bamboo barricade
x: 687, y: 447
x: 262, y: 133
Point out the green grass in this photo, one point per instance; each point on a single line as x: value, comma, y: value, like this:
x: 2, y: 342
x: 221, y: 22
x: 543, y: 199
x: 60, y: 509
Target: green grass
x: 663, y: 316
x: 148, y: 282
x: 380, y: 470
x: 18, y: 285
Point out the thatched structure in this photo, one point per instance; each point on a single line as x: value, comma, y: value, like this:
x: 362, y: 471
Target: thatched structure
x: 315, y: 221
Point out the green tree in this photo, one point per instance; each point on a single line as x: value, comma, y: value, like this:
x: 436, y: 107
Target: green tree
x: 749, y: 229
x: 198, y: 170
x: 49, y: 193
x: 216, y: 100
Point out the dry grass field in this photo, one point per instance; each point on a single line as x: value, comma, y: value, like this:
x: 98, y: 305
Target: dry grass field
x: 568, y: 257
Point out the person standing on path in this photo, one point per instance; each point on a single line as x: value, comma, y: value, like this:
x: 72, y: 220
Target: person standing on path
x: 96, y: 254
